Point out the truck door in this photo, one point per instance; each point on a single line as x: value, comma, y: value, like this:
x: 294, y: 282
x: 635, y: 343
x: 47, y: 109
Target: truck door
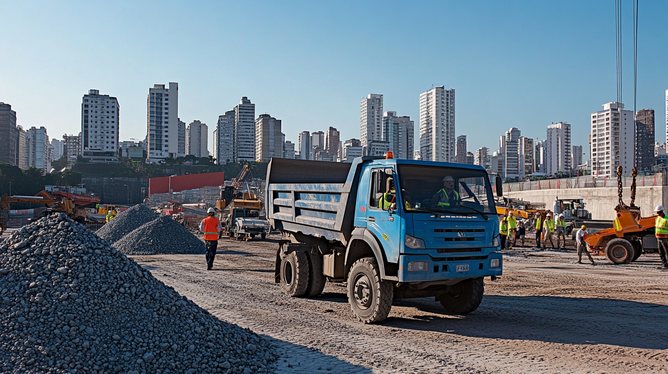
x: 383, y: 216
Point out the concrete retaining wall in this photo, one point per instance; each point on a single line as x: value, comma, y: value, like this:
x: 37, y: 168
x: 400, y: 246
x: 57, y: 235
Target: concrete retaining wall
x: 599, y: 201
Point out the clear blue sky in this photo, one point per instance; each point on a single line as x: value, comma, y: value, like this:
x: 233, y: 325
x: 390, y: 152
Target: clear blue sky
x: 521, y: 64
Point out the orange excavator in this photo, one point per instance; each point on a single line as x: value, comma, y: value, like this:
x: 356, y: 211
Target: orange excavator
x: 631, y: 233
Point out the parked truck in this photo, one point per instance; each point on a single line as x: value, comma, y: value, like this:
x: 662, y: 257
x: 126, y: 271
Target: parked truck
x: 347, y: 222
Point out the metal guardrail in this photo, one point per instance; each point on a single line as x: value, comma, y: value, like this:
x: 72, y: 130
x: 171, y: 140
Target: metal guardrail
x: 587, y: 181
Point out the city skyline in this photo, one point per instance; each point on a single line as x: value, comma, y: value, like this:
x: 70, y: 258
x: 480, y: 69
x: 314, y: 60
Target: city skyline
x: 512, y: 68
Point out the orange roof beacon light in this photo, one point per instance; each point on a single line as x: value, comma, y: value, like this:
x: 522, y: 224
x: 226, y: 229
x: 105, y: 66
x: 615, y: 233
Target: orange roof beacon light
x: 389, y: 155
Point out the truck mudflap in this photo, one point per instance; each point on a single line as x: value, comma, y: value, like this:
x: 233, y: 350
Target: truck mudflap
x: 424, y: 268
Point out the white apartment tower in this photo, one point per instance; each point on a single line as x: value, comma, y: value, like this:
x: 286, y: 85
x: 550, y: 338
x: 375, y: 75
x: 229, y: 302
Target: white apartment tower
x: 437, y: 124
x: 510, y: 146
x: 71, y: 148
x: 99, y: 127
x: 38, y: 146
x: 224, y: 138
x: 558, y: 148
x: 244, y: 131
x: 482, y: 157
x: 612, y: 140
x: 371, y: 119
x: 576, y: 156
x: 163, y: 123
x: 305, y: 145
x: 352, y: 148
x: 197, y: 139
x: 268, y: 138
x: 399, y: 132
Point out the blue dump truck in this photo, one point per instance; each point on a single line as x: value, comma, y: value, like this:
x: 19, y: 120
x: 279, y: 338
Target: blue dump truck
x: 390, y: 228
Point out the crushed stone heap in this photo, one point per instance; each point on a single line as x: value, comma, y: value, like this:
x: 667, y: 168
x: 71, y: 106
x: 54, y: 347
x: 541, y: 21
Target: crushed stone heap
x: 70, y: 303
x: 163, y: 235
x: 125, y: 222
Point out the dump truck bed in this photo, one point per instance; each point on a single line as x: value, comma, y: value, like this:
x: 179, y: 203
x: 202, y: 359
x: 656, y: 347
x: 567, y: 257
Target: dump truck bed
x: 312, y: 197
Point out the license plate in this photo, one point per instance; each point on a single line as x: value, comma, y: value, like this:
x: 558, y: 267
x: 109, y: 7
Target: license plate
x: 462, y: 268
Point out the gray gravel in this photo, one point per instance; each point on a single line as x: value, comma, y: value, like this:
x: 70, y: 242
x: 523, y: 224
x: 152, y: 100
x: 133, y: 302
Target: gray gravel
x: 125, y: 222
x: 160, y: 236
x: 70, y: 303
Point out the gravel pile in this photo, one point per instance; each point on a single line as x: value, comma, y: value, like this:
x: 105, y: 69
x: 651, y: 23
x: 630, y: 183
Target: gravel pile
x: 70, y: 303
x: 160, y: 236
x: 125, y: 222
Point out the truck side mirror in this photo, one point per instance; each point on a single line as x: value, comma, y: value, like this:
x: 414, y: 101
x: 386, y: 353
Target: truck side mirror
x: 499, y: 186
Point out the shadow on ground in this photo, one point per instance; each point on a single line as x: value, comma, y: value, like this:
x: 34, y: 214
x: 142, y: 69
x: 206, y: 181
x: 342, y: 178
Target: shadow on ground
x: 563, y: 320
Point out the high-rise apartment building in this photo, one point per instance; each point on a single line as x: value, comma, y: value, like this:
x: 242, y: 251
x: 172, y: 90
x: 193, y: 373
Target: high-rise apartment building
x: 612, y: 140
x: 99, y: 127
x: 163, y: 129
x: 333, y: 142
x: 352, y: 148
x: 22, y: 148
x: 378, y: 148
x: 181, y: 143
x: 644, y: 159
x: 470, y: 158
x: 317, y: 143
x: 244, y: 131
x: 526, y: 156
x: 224, y: 138
x: 8, y: 135
x: 576, y: 156
x: 482, y: 158
x: 38, y: 149
x: 57, y: 146
x: 437, y: 124
x: 558, y: 148
x: 197, y: 139
x: 268, y: 138
x: 371, y: 118
x: 460, y: 149
x: 510, y: 151
x: 305, y: 145
x: 71, y: 148
x: 399, y: 133
x: 288, y: 149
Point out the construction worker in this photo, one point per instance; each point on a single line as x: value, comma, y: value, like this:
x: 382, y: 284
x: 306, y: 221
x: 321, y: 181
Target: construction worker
x: 512, y: 229
x: 661, y: 233
x: 561, y: 231
x: 521, y: 231
x: 582, y: 245
x: 539, y: 228
x: 447, y: 196
x: 548, y: 229
x: 388, y: 200
x: 109, y: 216
x: 211, y: 228
x: 503, y: 231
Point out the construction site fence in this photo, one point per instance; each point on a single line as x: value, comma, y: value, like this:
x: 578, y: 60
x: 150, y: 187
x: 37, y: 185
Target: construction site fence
x: 587, y: 181
x: 207, y: 195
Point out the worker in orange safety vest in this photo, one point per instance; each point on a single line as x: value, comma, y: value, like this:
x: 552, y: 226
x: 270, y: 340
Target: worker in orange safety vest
x: 211, y: 228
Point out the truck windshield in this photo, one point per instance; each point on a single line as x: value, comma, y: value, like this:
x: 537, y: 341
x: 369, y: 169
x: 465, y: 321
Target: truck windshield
x: 436, y: 189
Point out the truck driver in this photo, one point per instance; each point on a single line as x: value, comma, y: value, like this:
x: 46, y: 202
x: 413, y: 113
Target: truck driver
x: 446, y: 196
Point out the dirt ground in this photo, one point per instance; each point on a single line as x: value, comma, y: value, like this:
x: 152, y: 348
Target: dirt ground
x: 546, y: 314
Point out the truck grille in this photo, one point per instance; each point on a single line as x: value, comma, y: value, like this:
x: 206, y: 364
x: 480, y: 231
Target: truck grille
x: 459, y: 239
x: 459, y: 230
x: 458, y: 250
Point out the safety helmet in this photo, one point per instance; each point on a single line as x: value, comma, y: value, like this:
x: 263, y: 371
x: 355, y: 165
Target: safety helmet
x: 561, y: 216
x: 210, y: 211
x: 583, y: 227
x: 448, y: 179
x: 659, y: 208
x: 537, y: 213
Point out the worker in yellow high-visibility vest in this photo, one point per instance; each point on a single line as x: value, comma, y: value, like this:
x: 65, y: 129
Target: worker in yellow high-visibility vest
x: 512, y: 229
x: 548, y: 229
x: 661, y: 233
x: 503, y: 231
x: 539, y: 229
x: 561, y: 231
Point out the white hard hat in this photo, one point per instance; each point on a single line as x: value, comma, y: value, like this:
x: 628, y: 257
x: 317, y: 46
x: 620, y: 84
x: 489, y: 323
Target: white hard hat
x: 561, y: 216
x: 448, y: 179
x: 659, y: 208
x: 537, y: 213
x: 210, y: 210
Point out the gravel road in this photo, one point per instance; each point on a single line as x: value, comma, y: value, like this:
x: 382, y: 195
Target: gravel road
x: 545, y: 315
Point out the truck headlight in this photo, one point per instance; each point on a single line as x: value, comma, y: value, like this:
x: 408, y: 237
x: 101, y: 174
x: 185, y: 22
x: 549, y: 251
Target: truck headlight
x: 496, y: 242
x: 494, y: 263
x: 414, y: 243
x: 418, y: 266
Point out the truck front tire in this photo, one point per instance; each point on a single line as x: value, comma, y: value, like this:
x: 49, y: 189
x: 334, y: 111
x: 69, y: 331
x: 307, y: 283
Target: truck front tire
x: 463, y: 297
x: 316, y: 280
x: 295, y: 274
x: 369, y: 297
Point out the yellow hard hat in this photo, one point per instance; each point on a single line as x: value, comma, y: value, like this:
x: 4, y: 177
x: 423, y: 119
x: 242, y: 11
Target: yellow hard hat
x: 583, y: 227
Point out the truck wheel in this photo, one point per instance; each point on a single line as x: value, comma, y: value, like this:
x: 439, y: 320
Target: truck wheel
x: 619, y: 251
x: 316, y: 281
x: 464, y: 297
x: 295, y: 274
x: 369, y: 297
x: 637, y: 250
